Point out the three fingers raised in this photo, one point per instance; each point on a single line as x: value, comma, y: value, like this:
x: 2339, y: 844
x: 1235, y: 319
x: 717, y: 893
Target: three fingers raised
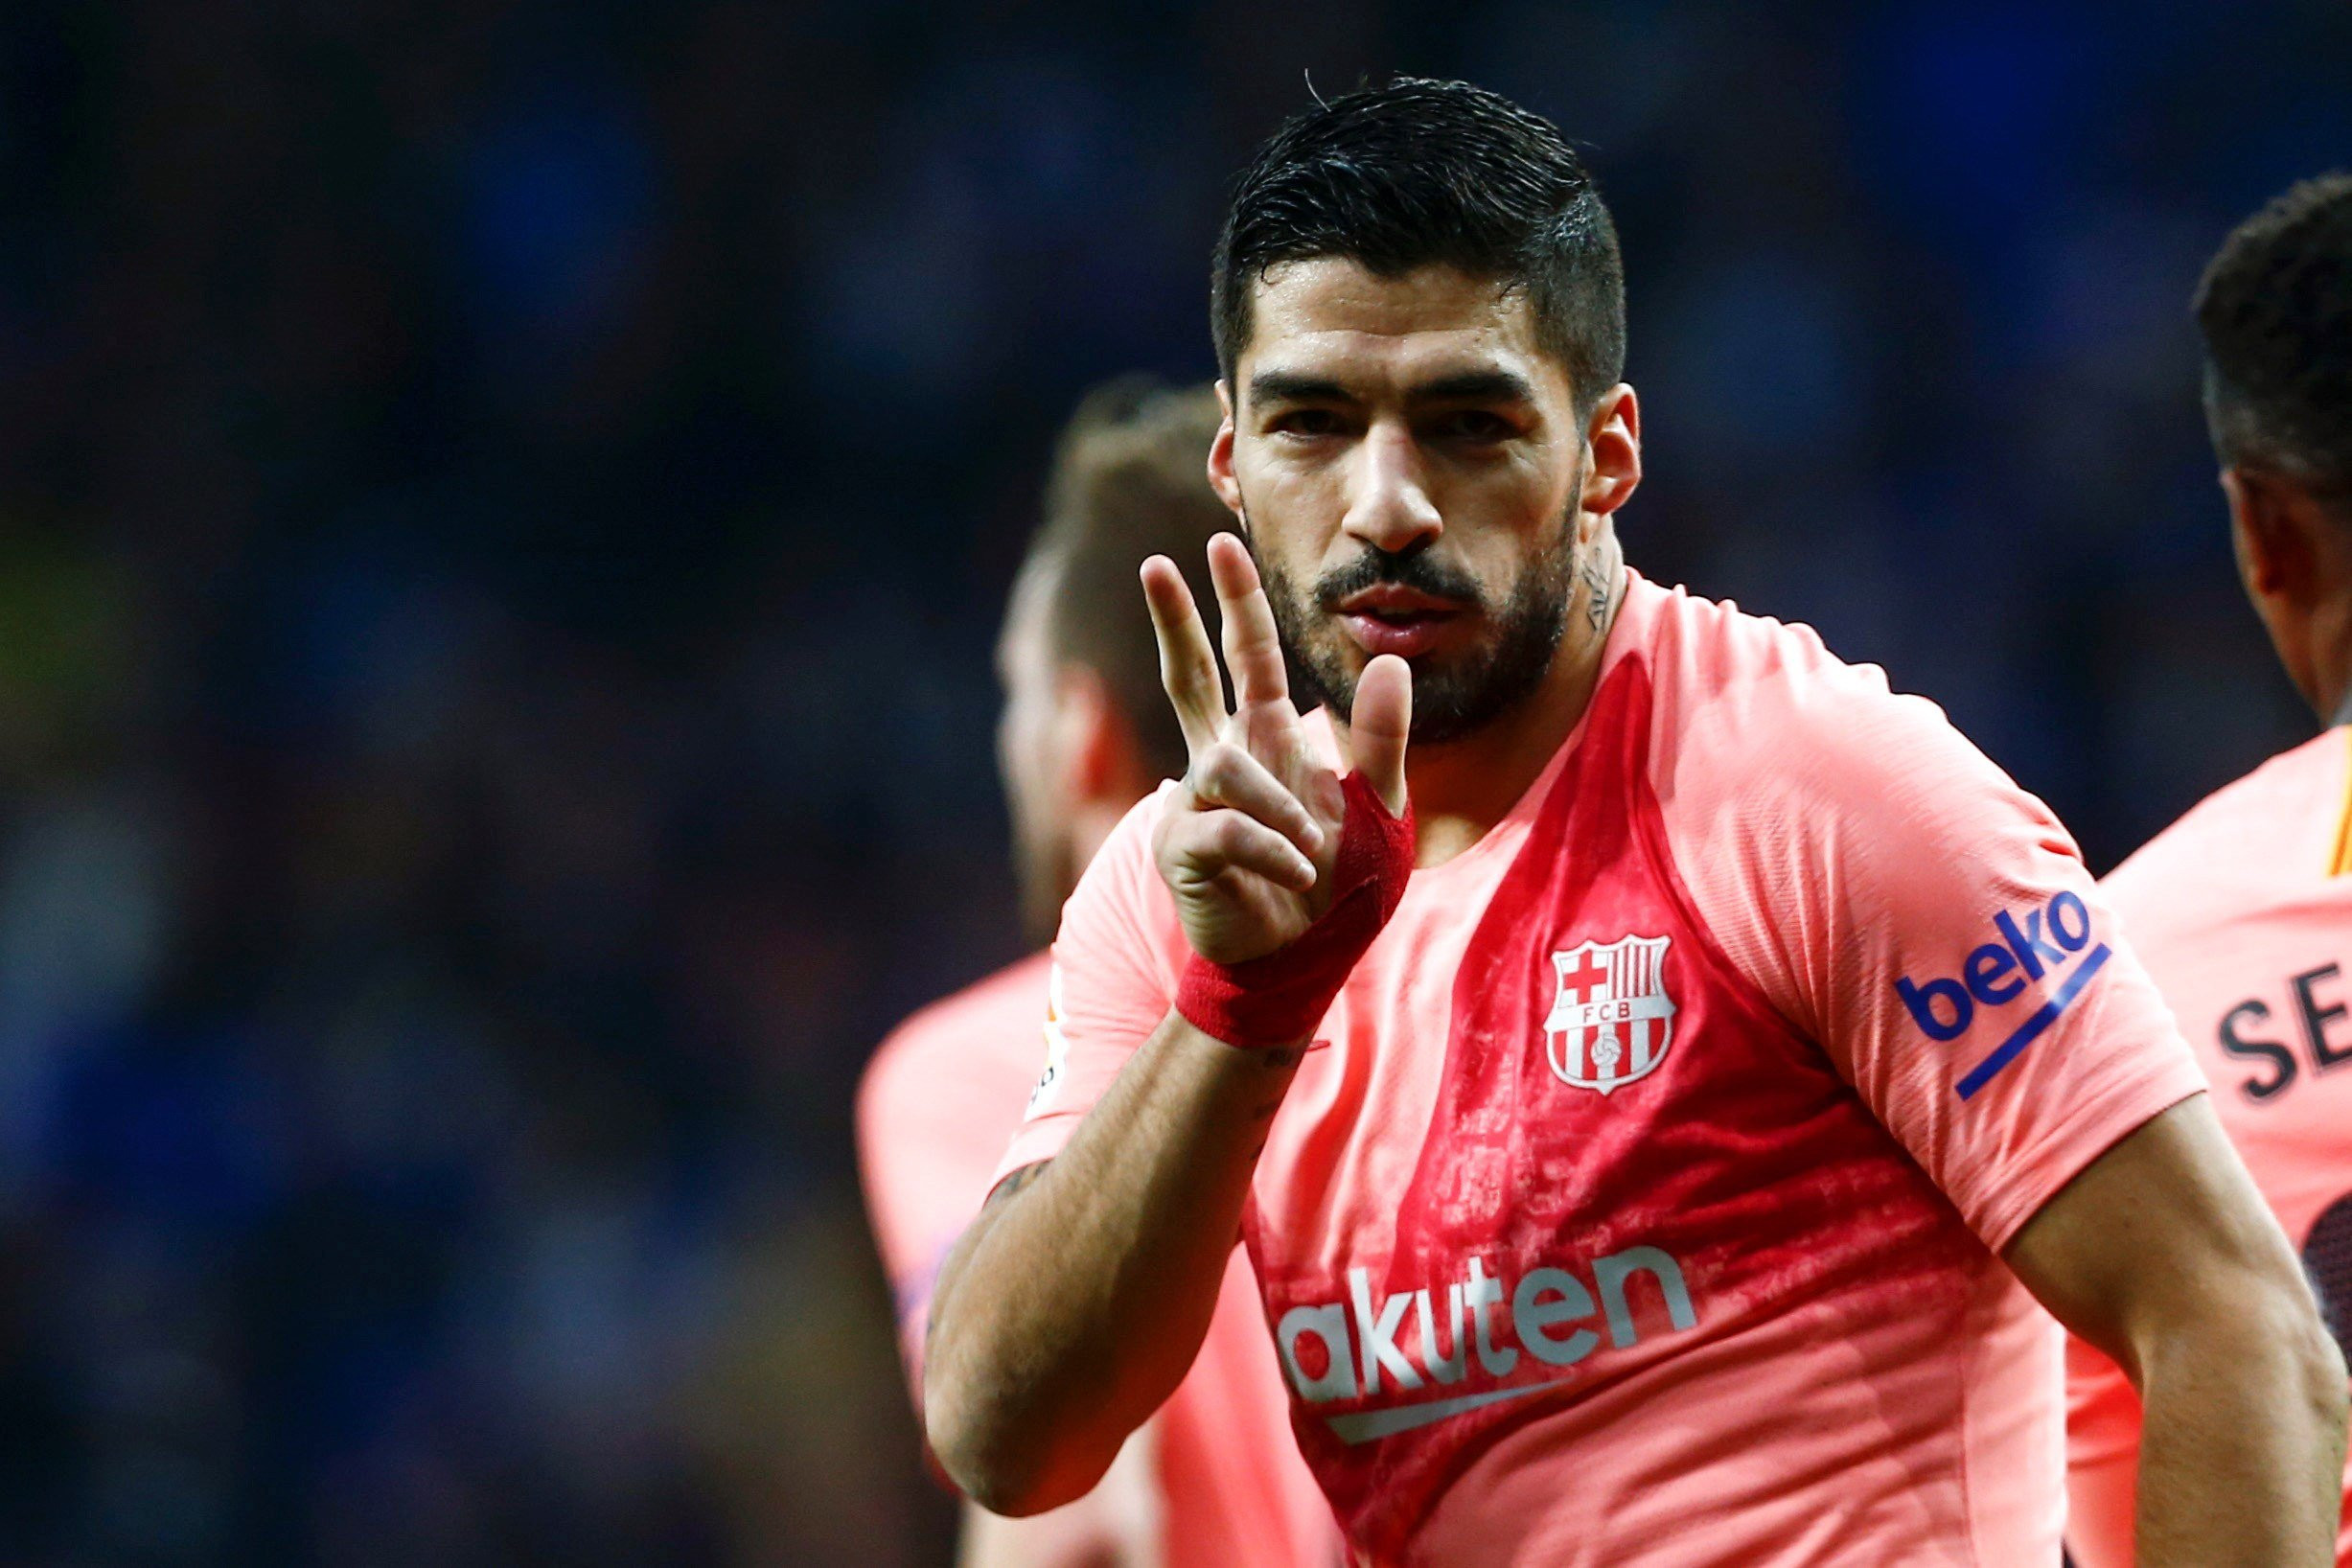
x: 1379, y: 724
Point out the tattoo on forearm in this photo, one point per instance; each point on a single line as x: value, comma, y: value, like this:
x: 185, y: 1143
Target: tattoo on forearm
x: 1013, y: 1183
x: 952, y: 1266
x: 1276, y: 1059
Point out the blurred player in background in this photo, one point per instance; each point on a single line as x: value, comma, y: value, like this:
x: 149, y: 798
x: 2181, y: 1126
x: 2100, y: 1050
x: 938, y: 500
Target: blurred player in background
x: 1215, y: 1479
x: 2243, y: 908
x: 1699, y: 1028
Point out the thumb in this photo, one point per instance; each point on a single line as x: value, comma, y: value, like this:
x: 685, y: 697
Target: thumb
x: 1377, y: 728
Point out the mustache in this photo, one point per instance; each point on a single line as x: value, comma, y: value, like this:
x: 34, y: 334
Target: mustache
x: 1414, y: 570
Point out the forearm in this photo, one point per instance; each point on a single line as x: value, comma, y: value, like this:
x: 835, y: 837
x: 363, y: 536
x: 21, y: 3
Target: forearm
x: 1074, y: 1307
x: 2243, y: 1443
x: 2162, y: 1255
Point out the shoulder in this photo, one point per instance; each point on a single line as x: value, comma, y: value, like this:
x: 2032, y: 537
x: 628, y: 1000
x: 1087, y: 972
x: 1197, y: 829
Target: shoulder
x: 2236, y: 844
x: 1824, y: 826
x: 1756, y: 715
x: 986, y: 1037
x: 936, y: 1106
x: 1749, y: 677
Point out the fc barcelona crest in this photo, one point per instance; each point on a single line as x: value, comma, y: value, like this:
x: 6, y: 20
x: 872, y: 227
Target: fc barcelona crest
x: 1611, y: 1021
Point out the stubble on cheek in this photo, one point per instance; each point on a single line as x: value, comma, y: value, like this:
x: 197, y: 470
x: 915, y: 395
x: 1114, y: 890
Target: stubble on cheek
x: 1314, y: 653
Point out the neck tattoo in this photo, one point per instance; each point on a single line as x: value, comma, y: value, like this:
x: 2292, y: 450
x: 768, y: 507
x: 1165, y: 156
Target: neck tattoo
x: 1596, y: 592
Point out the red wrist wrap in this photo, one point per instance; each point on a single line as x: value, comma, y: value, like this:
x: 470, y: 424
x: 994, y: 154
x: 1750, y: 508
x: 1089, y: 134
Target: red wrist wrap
x: 1278, y: 999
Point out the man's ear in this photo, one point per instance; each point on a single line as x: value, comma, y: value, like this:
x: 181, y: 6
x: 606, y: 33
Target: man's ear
x: 1090, y: 738
x: 1614, y: 436
x: 1221, y: 454
x: 2270, y: 521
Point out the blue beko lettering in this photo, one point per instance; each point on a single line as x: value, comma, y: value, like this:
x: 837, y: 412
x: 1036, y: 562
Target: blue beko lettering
x: 1922, y: 1001
x: 1986, y: 968
x: 2036, y: 944
x: 2031, y: 950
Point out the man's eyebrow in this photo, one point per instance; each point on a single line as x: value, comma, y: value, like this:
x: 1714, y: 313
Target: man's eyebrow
x: 1462, y: 386
x: 1476, y: 387
x: 1290, y: 386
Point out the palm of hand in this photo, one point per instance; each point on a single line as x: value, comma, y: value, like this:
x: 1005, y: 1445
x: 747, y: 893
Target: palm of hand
x: 1247, y: 848
x: 1231, y: 912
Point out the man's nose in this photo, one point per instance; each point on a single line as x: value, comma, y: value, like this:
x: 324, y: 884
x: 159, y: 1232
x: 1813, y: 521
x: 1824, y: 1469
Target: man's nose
x: 1389, y: 507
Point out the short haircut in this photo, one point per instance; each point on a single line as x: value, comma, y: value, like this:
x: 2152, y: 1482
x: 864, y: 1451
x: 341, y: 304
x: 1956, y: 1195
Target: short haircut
x: 1420, y: 172
x: 1130, y: 481
x: 2275, y: 307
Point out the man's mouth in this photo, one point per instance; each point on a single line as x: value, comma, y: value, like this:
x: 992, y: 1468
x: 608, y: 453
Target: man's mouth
x: 1389, y: 619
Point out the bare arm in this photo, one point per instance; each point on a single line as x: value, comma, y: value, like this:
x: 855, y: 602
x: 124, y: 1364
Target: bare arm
x: 2162, y: 1255
x: 1077, y: 1299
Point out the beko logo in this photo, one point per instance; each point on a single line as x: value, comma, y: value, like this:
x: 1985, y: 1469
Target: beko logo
x: 2049, y: 943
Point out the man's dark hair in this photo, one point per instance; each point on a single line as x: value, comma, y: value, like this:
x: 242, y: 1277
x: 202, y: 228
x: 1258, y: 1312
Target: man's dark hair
x: 1130, y: 481
x: 1416, y: 173
x: 2275, y: 307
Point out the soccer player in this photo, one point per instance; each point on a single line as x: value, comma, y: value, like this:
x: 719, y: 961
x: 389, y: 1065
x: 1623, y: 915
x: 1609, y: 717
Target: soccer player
x: 1658, y: 1080
x: 1215, y: 1479
x: 2243, y: 908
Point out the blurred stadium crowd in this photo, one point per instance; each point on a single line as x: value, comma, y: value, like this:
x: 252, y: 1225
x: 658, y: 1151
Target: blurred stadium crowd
x: 503, y: 510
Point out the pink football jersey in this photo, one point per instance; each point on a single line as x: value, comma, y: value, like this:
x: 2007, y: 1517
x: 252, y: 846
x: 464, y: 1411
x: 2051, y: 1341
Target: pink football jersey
x: 1640, y: 1205
x: 938, y: 1104
x: 2243, y: 911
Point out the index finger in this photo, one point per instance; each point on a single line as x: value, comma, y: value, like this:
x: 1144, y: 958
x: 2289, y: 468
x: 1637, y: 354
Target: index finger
x: 1188, y: 663
x: 1253, y: 648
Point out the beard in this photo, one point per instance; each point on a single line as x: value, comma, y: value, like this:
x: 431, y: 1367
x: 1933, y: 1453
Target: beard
x: 1452, y: 696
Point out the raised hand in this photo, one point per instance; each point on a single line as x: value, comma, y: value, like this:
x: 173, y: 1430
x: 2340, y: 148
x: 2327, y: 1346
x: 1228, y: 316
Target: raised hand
x: 1249, y: 845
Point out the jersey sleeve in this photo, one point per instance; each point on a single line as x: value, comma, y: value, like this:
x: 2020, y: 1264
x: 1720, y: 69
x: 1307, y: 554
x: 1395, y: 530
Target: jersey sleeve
x: 933, y: 1109
x: 1932, y: 927
x: 908, y: 1158
x: 1113, y: 978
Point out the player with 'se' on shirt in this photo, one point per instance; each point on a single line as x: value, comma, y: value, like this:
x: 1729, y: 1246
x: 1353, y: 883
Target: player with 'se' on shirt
x: 2243, y: 908
x: 1656, y: 1083
x: 1214, y: 1480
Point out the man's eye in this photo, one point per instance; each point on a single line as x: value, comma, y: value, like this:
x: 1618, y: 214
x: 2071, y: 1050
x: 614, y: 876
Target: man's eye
x: 1308, y: 421
x: 1475, y: 425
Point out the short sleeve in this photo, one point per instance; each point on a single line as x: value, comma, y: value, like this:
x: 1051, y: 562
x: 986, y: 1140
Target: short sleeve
x: 1932, y: 927
x: 1114, y: 976
x: 918, y: 1193
x: 934, y: 1110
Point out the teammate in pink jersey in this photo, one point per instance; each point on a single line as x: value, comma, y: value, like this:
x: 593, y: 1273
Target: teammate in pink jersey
x: 1214, y: 1480
x: 2243, y: 908
x: 1653, y: 1097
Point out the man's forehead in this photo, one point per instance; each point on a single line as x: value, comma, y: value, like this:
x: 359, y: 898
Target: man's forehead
x: 1330, y: 317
